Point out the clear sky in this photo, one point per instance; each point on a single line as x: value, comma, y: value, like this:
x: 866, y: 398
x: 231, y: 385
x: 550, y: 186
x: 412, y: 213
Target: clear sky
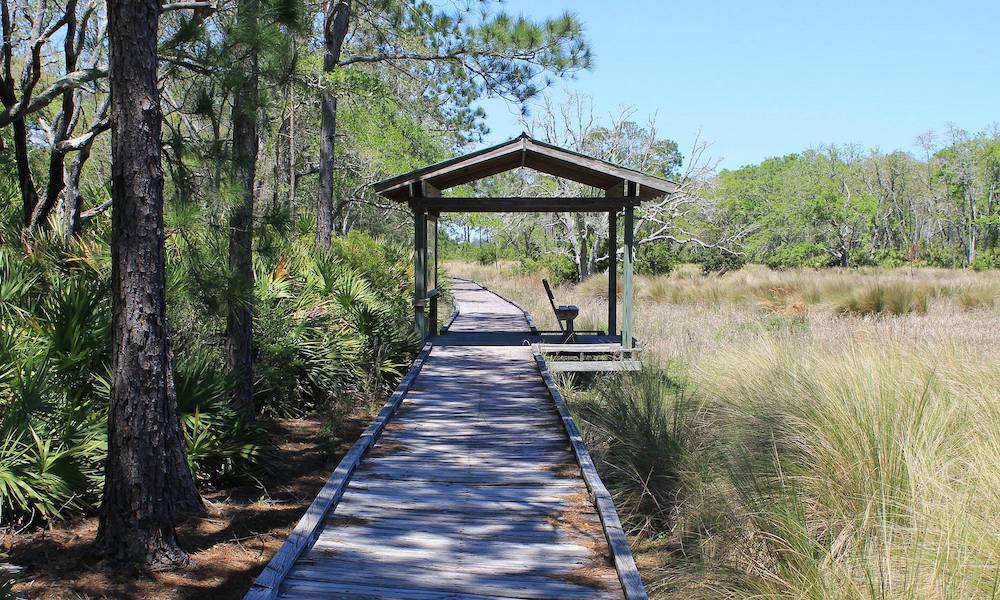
x: 765, y: 78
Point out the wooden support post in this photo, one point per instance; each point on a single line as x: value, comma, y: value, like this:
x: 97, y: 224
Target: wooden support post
x: 419, y: 265
x: 613, y: 272
x: 432, y: 322
x: 430, y: 265
x: 420, y: 273
x: 627, y: 311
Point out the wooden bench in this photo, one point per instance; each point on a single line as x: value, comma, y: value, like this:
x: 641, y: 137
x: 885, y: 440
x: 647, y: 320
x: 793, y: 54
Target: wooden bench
x: 564, y: 314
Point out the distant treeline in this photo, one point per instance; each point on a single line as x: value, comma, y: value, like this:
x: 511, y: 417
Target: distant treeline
x: 839, y: 206
x: 832, y: 206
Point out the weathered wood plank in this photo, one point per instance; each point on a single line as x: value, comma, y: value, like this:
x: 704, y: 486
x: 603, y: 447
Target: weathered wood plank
x: 475, y: 490
x: 303, y: 589
x: 385, y: 516
x: 465, y: 475
x: 497, y: 530
x: 590, y: 366
x: 453, y: 579
x: 433, y: 549
x: 563, y: 459
x: 265, y: 587
x: 628, y: 572
x: 584, y: 348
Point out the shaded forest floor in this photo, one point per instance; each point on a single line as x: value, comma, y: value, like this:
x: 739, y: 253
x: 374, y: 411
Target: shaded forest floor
x: 229, y: 546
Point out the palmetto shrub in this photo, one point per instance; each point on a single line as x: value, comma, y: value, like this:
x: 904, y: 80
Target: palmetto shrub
x: 53, y: 373
x: 220, y: 443
x: 330, y: 327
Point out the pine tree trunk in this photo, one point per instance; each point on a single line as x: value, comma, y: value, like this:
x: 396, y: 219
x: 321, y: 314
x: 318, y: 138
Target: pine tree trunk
x: 291, y: 153
x: 146, y: 478
x: 324, y: 206
x: 336, y: 22
x: 239, y: 325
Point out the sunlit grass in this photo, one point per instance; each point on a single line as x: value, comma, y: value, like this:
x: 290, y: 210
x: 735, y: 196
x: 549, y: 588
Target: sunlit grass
x: 816, y: 434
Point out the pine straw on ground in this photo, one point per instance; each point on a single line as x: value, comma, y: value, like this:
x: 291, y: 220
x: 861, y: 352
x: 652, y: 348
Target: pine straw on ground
x: 229, y: 546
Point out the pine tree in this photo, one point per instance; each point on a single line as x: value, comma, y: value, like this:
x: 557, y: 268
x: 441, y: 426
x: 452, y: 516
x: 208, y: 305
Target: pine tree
x: 147, y: 479
x: 496, y: 55
x: 239, y: 324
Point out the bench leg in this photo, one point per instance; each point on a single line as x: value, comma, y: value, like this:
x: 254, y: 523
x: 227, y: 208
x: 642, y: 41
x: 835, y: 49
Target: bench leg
x: 568, y: 332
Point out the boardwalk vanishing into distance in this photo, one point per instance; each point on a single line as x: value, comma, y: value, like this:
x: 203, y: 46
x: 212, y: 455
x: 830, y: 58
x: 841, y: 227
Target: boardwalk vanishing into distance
x: 472, y: 483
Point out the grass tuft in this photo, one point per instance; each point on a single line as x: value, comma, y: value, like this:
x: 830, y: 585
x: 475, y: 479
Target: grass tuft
x: 897, y: 298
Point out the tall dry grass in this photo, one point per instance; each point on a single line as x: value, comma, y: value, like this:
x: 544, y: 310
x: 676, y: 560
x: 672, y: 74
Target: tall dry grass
x: 815, y: 434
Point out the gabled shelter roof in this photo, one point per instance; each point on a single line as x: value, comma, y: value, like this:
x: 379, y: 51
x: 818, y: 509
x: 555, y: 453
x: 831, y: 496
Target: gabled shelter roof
x: 524, y: 151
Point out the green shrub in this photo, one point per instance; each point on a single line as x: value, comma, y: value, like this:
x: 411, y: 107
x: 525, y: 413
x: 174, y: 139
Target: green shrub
x: 220, y: 443
x: 487, y: 254
x: 714, y: 260
x: 939, y: 257
x: 559, y: 268
x: 987, y: 260
x: 327, y: 332
x: 888, y: 259
x: 804, y: 254
x: 655, y: 259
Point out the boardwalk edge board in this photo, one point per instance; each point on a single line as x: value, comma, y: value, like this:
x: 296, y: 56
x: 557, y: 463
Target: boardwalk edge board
x: 628, y: 572
x: 451, y: 319
x: 265, y: 587
x: 527, y: 315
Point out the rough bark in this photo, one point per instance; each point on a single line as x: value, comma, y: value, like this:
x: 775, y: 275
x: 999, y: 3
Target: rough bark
x: 26, y: 185
x: 337, y: 20
x: 146, y: 478
x: 239, y: 325
x: 292, y: 183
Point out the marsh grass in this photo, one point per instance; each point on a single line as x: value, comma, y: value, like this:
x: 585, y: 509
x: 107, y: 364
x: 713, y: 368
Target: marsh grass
x: 820, y: 435
x: 898, y: 298
x: 639, y: 424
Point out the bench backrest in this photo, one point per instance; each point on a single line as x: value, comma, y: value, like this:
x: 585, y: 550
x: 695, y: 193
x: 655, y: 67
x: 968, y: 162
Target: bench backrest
x: 548, y: 290
x: 552, y: 301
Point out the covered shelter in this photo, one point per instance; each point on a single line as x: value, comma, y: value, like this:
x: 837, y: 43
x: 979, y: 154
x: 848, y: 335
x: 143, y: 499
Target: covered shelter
x: 623, y: 190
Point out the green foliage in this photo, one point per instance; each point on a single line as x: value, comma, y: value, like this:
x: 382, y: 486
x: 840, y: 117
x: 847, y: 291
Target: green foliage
x: 324, y: 329
x: 937, y: 256
x: 220, y: 443
x: 487, y: 255
x: 987, y: 260
x: 559, y: 269
x: 802, y: 254
x: 325, y: 333
x: 715, y: 260
x: 655, y: 259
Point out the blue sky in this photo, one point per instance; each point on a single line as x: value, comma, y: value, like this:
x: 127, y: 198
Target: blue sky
x: 766, y: 78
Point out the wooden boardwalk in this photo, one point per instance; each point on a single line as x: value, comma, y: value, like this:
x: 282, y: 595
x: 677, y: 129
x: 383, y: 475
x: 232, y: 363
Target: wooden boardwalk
x: 470, y: 488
